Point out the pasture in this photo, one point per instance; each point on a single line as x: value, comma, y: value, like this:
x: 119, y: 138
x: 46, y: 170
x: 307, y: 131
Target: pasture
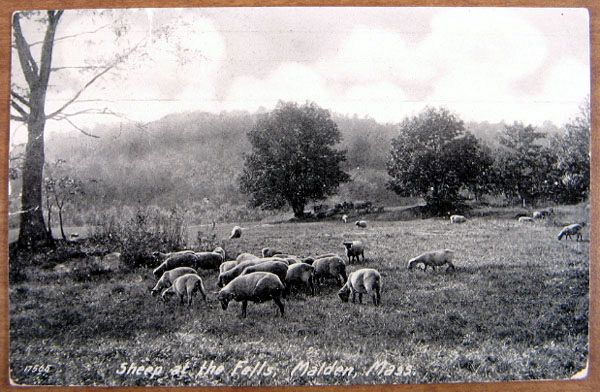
x: 516, y: 308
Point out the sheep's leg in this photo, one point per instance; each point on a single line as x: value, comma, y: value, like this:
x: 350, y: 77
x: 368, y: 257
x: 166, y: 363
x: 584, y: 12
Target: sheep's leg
x: 244, y: 307
x: 278, y: 302
x: 311, y: 285
x: 354, y: 297
x: 360, y: 298
x: 180, y: 299
x: 374, y: 297
x: 378, y: 296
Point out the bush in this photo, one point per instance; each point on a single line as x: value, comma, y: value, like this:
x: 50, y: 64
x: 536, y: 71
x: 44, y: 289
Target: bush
x: 145, y: 231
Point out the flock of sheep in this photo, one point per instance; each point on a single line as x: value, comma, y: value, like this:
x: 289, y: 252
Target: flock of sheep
x: 272, y: 276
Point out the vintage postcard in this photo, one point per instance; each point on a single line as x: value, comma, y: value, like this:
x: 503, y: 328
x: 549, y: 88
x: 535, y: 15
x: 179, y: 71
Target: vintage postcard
x: 299, y: 196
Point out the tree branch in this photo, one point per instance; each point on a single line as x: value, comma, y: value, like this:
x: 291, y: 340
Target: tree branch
x: 19, y: 109
x: 19, y: 97
x: 92, y: 80
x: 46, y: 57
x: 64, y: 37
x: 28, y: 64
x: 17, y: 118
x: 79, y: 129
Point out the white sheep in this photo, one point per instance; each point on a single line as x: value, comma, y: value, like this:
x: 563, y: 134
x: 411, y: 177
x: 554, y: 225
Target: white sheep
x: 255, y: 287
x: 227, y: 265
x: 246, y: 256
x: 276, y: 267
x: 236, y: 232
x: 160, y: 256
x: 433, y: 259
x: 363, y: 281
x: 361, y: 223
x: 187, y: 284
x: 574, y: 229
x: 345, y: 218
x: 354, y: 249
x: 227, y: 276
x: 457, y: 219
x: 526, y: 219
x: 300, y: 274
x: 330, y: 267
x: 169, y: 277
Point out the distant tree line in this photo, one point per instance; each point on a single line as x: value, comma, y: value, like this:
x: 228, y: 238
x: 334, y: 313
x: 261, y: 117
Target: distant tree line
x: 198, y: 161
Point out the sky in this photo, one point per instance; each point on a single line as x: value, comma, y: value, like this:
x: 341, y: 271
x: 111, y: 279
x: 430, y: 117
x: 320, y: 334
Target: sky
x: 484, y: 64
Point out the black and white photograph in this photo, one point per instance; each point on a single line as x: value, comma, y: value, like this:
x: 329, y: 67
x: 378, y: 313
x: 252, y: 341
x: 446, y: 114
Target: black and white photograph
x: 283, y: 196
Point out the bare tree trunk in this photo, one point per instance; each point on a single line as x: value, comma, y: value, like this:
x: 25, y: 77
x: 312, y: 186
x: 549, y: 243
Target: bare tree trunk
x: 32, y: 230
x: 60, y: 220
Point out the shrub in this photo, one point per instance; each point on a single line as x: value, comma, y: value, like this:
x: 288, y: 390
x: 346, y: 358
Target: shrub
x: 146, y: 230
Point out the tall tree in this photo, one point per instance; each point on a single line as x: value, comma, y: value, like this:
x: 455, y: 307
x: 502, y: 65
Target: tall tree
x: 31, y: 110
x: 573, y: 156
x: 525, y: 167
x: 28, y: 105
x: 434, y: 157
x: 293, y: 159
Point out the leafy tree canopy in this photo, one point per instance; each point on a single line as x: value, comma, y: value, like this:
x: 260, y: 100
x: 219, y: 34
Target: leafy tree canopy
x: 434, y: 157
x: 293, y: 159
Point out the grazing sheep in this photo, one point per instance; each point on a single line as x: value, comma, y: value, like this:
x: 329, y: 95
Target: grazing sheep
x: 433, y: 259
x: 245, y: 256
x: 199, y: 260
x: 268, y: 252
x: 574, y: 229
x: 186, y: 259
x: 543, y: 214
x: 220, y: 250
x: 169, y: 277
x: 187, y: 284
x: 457, y: 219
x: 362, y: 281
x: 361, y: 223
x: 227, y: 265
x: 236, y: 232
x: 276, y: 267
x: 330, y: 267
x: 227, y: 276
x: 345, y: 218
x: 353, y: 250
x: 255, y: 287
x: 209, y: 260
x: 289, y: 259
x: 300, y: 274
x: 160, y: 256
x: 526, y: 219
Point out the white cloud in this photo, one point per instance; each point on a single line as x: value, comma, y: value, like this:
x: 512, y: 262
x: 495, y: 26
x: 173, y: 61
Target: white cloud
x: 289, y: 82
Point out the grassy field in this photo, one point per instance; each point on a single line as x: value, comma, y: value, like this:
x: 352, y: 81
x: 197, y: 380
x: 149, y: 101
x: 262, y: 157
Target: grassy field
x: 516, y: 308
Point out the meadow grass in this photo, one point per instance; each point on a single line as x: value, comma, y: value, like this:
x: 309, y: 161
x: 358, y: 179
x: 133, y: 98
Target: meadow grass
x: 516, y: 308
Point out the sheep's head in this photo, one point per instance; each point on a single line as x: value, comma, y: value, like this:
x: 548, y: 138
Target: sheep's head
x: 166, y: 294
x: 344, y: 294
x: 308, y: 260
x: 224, y: 298
x: 411, y: 264
x: 220, y: 251
x: 348, y: 245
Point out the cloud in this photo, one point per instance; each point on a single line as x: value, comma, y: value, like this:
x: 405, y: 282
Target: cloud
x: 289, y: 82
